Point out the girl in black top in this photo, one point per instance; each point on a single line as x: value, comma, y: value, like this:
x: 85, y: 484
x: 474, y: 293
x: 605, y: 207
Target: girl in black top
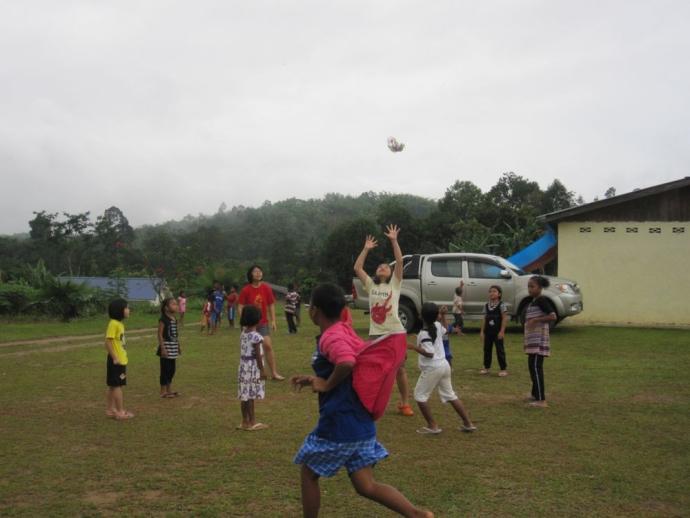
x: 168, y: 346
x: 493, y: 330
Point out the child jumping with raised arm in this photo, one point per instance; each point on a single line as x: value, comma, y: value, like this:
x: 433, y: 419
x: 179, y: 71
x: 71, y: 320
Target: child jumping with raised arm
x: 436, y: 373
x: 168, y: 346
x: 384, y: 297
x: 116, y: 364
x: 540, y: 312
x: 251, y: 374
x: 345, y: 435
x: 494, y: 330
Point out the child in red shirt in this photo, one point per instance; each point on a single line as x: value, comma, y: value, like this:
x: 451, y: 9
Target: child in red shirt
x: 259, y: 294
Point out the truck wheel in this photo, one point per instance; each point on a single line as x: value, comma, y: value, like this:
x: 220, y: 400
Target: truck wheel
x: 407, y: 317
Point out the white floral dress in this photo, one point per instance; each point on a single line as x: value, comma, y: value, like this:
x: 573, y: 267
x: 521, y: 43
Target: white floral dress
x: 249, y: 384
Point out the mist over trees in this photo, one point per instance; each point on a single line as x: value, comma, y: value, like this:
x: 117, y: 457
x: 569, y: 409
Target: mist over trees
x: 294, y: 240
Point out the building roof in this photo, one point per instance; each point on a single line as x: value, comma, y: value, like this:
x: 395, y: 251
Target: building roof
x: 137, y: 288
x: 580, y: 210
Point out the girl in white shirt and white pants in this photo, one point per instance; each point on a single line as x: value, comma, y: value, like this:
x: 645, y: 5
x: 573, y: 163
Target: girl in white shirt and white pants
x: 435, y: 372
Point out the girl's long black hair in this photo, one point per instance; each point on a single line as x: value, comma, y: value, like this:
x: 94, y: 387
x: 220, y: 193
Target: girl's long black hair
x: 164, y: 304
x: 429, y: 317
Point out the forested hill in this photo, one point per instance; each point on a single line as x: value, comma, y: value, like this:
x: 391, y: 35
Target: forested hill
x: 304, y: 240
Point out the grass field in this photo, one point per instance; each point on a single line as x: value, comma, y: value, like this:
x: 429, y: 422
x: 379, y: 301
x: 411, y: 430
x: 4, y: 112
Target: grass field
x: 614, y: 441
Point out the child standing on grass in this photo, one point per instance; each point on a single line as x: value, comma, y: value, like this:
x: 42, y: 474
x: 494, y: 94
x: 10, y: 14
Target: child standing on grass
x: 345, y: 435
x: 291, y: 301
x: 540, y: 312
x: 458, y: 309
x: 436, y: 372
x: 116, y: 364
x: 181, y: 307
x: 168, y: 346
x: 218, y: 303
x: 447, y: 329
x: 231, y: 300
x: 251, y: 375
x: 206, y: 311
x: 494, y: 330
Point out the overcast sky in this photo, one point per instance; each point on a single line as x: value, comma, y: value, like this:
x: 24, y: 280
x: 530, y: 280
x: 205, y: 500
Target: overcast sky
x: 169, y: 108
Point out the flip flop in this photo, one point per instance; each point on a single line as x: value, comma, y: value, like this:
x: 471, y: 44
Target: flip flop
x: 257, y: 426
x: 240, y: 427
x: 425, y: 430
x: 124, y: 416
x: 468, y: 429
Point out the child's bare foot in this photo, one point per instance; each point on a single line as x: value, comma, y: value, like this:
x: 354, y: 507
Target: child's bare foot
x: 124, y: 415
x: 257, y: 426
x: 110, y: 413
x: 278, y: 377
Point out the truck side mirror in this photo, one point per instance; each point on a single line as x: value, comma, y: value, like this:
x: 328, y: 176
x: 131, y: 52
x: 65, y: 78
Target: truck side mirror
x: 505, y: 274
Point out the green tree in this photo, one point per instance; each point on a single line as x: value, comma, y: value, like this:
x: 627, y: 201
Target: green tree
x: 557, y: 197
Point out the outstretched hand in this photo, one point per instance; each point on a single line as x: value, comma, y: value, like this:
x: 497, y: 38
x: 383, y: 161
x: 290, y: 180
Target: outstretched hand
x: 392, y: 232
x: 300, y: 381
x: 370, y: 243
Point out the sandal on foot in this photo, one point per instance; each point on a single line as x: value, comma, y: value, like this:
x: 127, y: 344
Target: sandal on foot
x: 483, y: 371
x: 468, y: 429
x: 425, y: 430
x: 124, y: 416
x: 278, y: 377
x: 257, y: 426
x: 406, y: 410
x: 110, y: 413
x: 503, y: 374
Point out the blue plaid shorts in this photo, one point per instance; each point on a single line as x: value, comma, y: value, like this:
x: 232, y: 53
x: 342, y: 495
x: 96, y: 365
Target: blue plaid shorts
x: 326, y: 457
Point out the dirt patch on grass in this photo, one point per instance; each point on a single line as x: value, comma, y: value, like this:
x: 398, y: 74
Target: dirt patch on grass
x: 102, y: 497
x: 73, y: 338
x: 653, y: 398
x: 152, y: 495
x: 62, y: 348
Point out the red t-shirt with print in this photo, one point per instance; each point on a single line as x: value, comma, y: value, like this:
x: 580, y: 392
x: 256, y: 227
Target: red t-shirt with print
x: 261, y: 297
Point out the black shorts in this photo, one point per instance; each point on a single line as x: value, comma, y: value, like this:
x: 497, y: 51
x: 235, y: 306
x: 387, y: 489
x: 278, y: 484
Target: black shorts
x: 116, y: 375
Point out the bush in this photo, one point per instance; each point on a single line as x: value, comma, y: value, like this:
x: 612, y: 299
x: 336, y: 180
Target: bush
x: 16, y: 297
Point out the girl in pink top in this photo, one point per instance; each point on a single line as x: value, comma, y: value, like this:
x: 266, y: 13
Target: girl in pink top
x: 181, y: 307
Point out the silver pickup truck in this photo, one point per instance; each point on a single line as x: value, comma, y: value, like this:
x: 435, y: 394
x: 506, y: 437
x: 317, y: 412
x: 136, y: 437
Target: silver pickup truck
x: 433, y: 278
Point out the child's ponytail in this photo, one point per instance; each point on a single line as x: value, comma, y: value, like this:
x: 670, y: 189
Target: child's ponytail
x: 429, y: 317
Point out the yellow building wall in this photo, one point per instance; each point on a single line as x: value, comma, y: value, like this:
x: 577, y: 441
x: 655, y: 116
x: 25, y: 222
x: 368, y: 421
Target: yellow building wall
x: 628, y: 277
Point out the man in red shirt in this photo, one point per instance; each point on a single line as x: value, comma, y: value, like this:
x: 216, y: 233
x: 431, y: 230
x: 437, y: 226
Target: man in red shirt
x: 259, y: 294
